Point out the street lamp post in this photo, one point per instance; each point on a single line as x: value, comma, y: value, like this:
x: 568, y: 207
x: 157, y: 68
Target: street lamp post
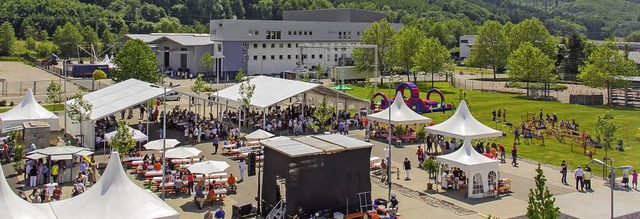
x: 389, y: 136
x: 164, y: 135
x: 612, y: 177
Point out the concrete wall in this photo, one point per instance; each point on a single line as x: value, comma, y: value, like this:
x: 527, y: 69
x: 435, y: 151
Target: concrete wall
x: 193, y: 53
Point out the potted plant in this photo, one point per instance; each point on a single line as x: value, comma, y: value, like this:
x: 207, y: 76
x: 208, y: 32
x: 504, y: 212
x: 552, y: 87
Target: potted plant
x: 431, y: 166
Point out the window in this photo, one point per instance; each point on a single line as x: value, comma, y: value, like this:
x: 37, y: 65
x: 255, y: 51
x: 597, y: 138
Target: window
x: 492, y: 180
x: 288, y: 56
x: 295, y: 33
x: 281, y: 45
x: 256, y: 33
x: 464, y: 41
x: 264, y: 45
x: 297, y: 56
x: 296, y: 45
x: 313, y: 56
x: 280, y: 57
x: 273, y: 57
x: 305, y: 33
x: 273, y: 45
x: 477, y: 184
x: 289, y: 33
x: 220, y: 47
x: 358, y: 33
x: 300, y: 33
x: 264, y: 57
x: 255, y: 57
x: 220, y: 25
x: 288, y: 45
x: 255, y: 45
x: 304, y: 56
x: 310, y: 32
x: 320, y: 56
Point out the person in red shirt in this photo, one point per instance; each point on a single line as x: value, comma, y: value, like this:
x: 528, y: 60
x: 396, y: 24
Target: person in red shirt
x: 502, y: 154
x: 420, y: 152
x: 5, y: 153
x: 190, y: 180
x: 157, y: 166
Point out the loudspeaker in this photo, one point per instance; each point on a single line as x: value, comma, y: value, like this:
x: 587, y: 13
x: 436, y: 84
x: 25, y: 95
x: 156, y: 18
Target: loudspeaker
x: 241, y: 209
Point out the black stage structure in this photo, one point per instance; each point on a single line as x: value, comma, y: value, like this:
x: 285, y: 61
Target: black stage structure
x: 318, y: 172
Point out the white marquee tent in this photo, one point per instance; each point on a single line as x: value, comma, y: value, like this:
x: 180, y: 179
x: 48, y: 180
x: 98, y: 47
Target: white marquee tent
x: 269, y: 91
x: 27, y: 110
x: 400, y: 114
x: 14, y: 207
x: 462, y: 125
x: 110, y: 100
x: 106, y: 199
x: 137, y: 135
x: 477, y: 167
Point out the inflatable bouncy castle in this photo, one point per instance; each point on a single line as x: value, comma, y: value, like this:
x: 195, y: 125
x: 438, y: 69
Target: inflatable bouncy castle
x: 413, y: 101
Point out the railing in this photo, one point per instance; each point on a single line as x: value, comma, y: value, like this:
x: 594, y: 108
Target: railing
x: 278, y: 211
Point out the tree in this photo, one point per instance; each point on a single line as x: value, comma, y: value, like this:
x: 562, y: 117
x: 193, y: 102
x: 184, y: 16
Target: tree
x: 136, y: 60
x: 370, y: 88
x: 319, y: 71
x: 108, y: 39
x: 576, y: 55
x: 209, y: 63
x: 634, y: 36
x: 80, y: 110
x: 323, y: 113
x: 30, y: 44
x: 405, y: 48
x: 91, y: 37
x: 431, y: 57
x: 168, y: 25
x: 529, y: 63
x: 46, y: 48
x: 67, y: 38
x: 534, y: 32
x: 246, y: 92
x: 123, y: 140
x: 54, y: 93
x: 607, y: 68
x: 605, y: 128
x: 198, y: 87
x: 7, y: 37
x: 99, y: 74
x: 541, y: 201
x: 490, y: 47
x: 380, y: 34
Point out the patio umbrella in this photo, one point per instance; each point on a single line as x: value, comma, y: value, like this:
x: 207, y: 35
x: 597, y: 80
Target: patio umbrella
x: 182, y: 152
x: 58, y: 150
x: 259, y: 135
x: 341, y: 87
x: 208, y: 167
x: 137, y: 135
x: 157, y: 144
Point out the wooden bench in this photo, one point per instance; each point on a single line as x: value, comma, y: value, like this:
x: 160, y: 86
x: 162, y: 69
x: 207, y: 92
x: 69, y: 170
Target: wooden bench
x: 354, y: 215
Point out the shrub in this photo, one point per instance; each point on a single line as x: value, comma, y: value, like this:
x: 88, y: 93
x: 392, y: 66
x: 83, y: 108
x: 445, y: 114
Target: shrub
x: 3, y: 103
x: 99, y: 74
x: 11, y: 103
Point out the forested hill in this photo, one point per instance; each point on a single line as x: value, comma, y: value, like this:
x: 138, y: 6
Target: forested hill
x: 595, y: 18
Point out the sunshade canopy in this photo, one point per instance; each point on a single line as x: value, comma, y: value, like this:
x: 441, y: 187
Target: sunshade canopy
x: 463, y: 125
x: 315, y: 145
x: 269, y: 91
x: 259, y: 135
x: 158, y: 144
x: 137, y: 134
x: 400, y: 114
x: 208, y: 167
x: 59, y: 150
x: 27, y: 110
x: 182, y: 152
x: 341, y: 87
x: 120, y: 96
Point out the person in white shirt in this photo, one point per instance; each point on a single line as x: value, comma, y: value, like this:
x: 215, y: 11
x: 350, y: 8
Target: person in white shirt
x: 579, y: 175
x: 32, y: 147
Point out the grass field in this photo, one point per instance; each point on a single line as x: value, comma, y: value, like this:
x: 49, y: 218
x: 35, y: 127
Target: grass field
x: 51, y: 107
x: 517, y: 106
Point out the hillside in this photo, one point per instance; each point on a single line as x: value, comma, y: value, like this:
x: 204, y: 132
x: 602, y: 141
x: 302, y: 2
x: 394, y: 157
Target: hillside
x: 598, y: 19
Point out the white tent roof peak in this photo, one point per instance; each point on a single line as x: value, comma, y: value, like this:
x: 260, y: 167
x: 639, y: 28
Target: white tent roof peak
x: 107, y: 195
x: 467, y: 158
x: 463, y: 125
x: 400, y: 113
x: 13, y: 206
x: 27, y: 110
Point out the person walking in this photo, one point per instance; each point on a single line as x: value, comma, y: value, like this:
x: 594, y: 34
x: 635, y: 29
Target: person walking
x: 208, y: 214
x: 243, y: 168
x: 503, y: 154
x: 563, y: 169
x: 514, y: 155
x: 419, y: 152
x: 634, y: 180
x: 587, y: 179
x: 504, y: 115
x: 579, y: 176
x: 407, y: 168
x: 516, y: 136
x: 383, y: 168
x: 219, y: 213
x: 216, y: 143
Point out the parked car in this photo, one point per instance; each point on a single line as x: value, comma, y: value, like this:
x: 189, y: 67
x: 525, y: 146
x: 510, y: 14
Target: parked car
x: 315, y: 81
x: 173, y: 96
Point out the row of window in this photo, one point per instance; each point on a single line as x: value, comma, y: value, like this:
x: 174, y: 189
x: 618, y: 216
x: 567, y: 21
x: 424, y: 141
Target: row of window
x: 273, y: 45
x: 281, y: 57
x: 300, y: 33
x: 273, y: 34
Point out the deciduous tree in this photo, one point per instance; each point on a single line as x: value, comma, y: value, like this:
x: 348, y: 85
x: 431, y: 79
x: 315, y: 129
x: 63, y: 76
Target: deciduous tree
x: 607, y: 68
x: 209, y: 63
x: 529, y: 63
x: 605, y: 128
x: 123, y: 140
x: 7, y: 37
x: 490, y: 47
x: 67, y: 38
x: 380, y: 34
x: 136, y: 60
x: 54, y: 93
x: 80, y: 110
x: 406, y: 43
x: 431, y: 57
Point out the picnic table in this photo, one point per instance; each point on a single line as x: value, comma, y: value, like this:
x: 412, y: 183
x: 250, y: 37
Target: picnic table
x: 183, y: 161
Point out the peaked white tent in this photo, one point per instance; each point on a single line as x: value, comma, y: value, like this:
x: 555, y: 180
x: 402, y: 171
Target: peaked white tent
x: 27, y: 110
x: 106, y: 199
x: 462, y: 125
x: 477, y: 167
x: 259, y: 135
x: 400, y: 114
x: 137, y: 135
x: 14, y: 207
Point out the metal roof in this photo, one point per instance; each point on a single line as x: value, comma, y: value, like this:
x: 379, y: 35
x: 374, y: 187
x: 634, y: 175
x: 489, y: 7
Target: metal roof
x: 315, y: 145
x: 187, y: 40
x: 635, y: 56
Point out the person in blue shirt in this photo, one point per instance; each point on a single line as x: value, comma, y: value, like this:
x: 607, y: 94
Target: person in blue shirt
x: 219, y: 213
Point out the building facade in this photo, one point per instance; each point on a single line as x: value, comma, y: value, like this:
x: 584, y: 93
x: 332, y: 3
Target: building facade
x: 301, y: 40
x: 466, y: 41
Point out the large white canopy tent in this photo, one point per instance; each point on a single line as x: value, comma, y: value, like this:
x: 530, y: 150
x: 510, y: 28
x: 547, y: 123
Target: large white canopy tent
x: 27, y: 110
x: 478, y: 168
x: 105, y: 199
x: 137, y: 135
x: 401, y: 114
x: 12, y: 206
x: 110, y: 100
x: 270, y: 91
x: 463, y: 125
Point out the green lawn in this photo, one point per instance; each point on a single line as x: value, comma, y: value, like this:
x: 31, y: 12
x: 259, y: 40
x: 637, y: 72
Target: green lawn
x: 482, y: 103
x: 51, y: 107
